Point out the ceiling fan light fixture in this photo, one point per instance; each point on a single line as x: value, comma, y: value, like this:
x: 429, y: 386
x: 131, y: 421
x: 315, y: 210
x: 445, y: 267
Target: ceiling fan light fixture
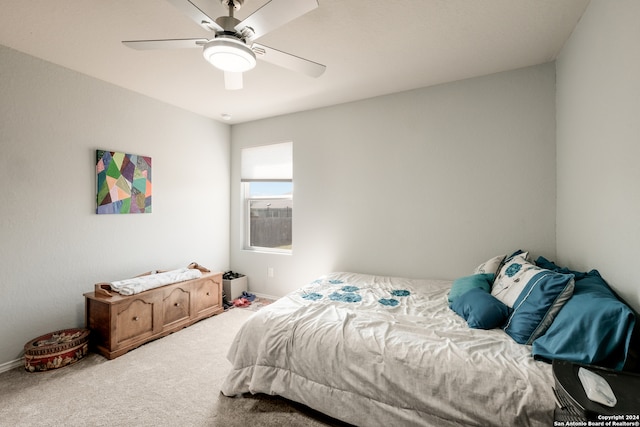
x: 229, y: 54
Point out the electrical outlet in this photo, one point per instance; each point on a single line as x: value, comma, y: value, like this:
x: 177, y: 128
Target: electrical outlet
x: 270, y: 272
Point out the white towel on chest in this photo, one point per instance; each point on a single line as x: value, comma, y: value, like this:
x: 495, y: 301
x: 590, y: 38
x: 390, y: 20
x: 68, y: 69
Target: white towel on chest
x: 143, y: 283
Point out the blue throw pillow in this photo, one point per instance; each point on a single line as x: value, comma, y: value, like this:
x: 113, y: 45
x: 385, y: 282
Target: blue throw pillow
x: 594, y: 327
x: 480, y: 309
x: 538, y: 303
x: 463, y: 284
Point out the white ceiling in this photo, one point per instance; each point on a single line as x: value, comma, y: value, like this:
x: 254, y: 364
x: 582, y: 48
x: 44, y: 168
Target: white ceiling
x: 370, y: 47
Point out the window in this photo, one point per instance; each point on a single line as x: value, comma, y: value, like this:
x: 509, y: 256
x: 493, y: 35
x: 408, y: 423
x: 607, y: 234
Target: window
x: 270, y: 209
x: 267, y: 185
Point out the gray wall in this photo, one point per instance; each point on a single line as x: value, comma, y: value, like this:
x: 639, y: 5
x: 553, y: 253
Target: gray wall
x: 426, y: 183
x: 53, y: 247
x: 598, y: 139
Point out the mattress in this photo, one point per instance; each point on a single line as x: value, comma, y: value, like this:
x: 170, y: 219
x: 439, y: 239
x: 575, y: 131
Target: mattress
x: 380, y: 351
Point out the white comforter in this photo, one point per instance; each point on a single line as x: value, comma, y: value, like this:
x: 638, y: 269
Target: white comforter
x: 378, y: 351
x: 150, y: 281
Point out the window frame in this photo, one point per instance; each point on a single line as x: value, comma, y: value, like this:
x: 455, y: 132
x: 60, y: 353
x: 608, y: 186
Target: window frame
x: 246, y: 210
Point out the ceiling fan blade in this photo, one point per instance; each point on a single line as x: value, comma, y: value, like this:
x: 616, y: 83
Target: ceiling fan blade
x: 286, y: 60
x: 232, y: 81
x: 274, y: 14
x: 196, y: 14
x: 164, y: 44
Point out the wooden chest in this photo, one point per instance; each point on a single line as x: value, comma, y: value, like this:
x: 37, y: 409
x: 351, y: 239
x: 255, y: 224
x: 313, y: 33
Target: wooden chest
x: 121, y: 323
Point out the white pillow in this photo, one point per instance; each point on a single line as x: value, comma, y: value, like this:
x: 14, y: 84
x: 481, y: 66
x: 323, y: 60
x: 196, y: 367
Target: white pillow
x: 490, y: 266
x: 512, y: 278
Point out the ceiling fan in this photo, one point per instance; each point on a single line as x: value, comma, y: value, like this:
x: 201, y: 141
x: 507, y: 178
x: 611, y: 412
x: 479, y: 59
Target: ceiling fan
x: 232, y: 49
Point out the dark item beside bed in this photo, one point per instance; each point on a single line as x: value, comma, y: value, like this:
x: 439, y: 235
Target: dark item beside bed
x: 576, y: 406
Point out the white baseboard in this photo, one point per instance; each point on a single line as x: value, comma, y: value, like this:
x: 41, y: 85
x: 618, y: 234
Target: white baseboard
x: 265, y: 296
x: 7, y: 366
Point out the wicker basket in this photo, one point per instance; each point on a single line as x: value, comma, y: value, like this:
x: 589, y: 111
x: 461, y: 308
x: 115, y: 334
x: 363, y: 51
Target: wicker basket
x: 55, y: 350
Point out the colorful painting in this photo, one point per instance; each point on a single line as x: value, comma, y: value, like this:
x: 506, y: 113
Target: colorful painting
x: 124, y: 183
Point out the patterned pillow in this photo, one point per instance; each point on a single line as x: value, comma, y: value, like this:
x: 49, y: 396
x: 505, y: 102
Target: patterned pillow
x: 490, y: 266
x: 512, y: 278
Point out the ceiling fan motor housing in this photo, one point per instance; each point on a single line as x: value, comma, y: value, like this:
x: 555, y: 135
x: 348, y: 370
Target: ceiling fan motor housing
x: 228, y: 23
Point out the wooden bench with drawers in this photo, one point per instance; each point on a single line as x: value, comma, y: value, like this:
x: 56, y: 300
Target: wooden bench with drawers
x: 121, y: 323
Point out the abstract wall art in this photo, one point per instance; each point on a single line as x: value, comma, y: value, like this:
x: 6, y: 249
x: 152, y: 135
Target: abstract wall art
x: 123, y: 183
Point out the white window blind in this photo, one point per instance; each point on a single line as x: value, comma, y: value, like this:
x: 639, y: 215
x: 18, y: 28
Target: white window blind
x: 272, y: 162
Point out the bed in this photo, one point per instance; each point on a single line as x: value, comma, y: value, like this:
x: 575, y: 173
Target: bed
x: 380, y: 351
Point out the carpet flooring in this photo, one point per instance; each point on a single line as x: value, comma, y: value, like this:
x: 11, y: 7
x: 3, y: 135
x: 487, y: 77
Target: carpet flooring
x: 172, y: 381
